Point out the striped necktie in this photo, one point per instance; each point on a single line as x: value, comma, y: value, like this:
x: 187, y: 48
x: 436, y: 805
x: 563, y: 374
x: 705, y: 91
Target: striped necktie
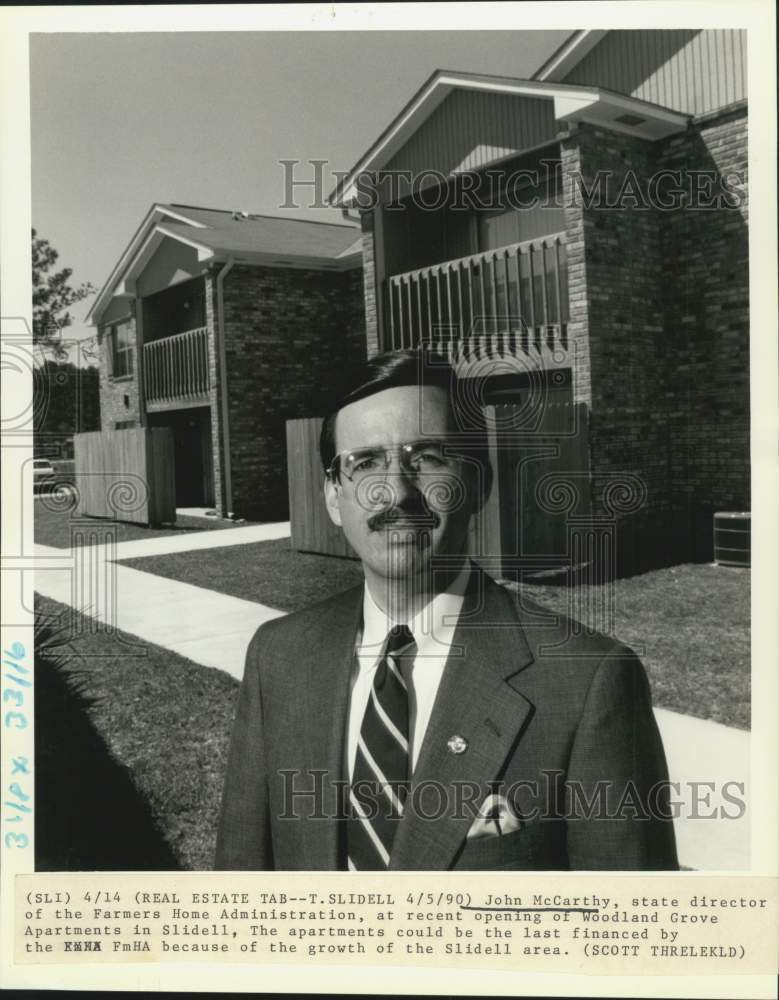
x: 381, y: 766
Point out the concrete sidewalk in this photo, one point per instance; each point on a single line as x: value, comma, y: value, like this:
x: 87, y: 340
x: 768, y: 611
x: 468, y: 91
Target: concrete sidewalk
x: 191, y: 541
x: 210, y: 628
x: 699, y: 750
x: 214, y: 630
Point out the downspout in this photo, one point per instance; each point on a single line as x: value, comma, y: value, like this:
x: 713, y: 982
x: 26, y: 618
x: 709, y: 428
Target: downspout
x: 220, y: 324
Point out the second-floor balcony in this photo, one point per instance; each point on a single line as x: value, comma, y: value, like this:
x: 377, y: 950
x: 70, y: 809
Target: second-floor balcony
x: 507, y: 302
x: 176, y: 370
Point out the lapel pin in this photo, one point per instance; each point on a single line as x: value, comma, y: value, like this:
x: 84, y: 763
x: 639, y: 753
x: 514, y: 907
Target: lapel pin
x: 457, y: 744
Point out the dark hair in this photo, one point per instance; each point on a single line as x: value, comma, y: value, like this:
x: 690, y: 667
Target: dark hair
x: 414, y: 366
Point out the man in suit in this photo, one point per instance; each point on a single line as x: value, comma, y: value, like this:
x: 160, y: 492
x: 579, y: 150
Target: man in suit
x: 431, y: 719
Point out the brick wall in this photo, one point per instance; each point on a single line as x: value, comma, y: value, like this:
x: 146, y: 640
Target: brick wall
x: 118, y: 397
x: 664, y: 303
x: 706, y: 269
x: 627, y: 350
x: 291, y: 335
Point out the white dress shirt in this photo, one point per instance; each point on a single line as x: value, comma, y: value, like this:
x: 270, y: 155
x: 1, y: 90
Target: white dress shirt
x: 433, y: 630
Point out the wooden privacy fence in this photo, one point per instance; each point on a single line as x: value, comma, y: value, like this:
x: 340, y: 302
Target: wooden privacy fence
x: 126, y: 475
x: 310, y: 525
x: 540, y: 481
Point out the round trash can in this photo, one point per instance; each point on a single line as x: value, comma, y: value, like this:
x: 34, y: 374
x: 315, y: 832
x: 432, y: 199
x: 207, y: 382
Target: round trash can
x: 732, y: 538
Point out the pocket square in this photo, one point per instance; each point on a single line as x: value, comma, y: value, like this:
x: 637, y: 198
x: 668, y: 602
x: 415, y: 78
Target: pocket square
x: 494, y: 819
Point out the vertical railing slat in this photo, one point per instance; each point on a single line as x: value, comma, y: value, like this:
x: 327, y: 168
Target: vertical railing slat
x: 544, y: 293
x: 460, y: 310
x: 421, y: 334
x: 451, y: 305
x: 532, y: 284
x: 410, y: 314
x: 494, y: 292
x: 439, y: 314
x: 429, y: 309
x: 392, y: 285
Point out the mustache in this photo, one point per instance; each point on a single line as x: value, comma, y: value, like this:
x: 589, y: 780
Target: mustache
x: 420, y: 515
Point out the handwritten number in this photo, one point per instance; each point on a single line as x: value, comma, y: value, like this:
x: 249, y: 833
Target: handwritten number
x: 20, y: 840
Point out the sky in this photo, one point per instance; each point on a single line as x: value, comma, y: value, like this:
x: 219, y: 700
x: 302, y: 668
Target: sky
x: 122, y: 120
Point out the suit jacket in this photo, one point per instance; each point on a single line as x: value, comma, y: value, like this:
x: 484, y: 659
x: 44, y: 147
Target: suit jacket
x: 559, y: 717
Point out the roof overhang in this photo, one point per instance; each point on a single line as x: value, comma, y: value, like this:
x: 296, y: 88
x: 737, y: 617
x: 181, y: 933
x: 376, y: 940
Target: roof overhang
x: 153, y: 230
x: 570, y: 53
x: 571, y: 104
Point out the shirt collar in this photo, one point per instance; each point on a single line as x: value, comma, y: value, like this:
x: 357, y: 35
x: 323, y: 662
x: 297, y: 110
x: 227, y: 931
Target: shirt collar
x: 433, y: 627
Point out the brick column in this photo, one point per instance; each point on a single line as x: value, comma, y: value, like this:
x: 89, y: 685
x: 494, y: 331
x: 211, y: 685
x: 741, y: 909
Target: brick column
x: 370, y: 291
x: 214, y: 371
x: 578, y: 324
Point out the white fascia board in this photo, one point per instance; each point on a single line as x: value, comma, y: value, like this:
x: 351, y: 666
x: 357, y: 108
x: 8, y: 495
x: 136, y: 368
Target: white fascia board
x: 182, y: 218
x: 520, y: 88
x: 658, y: 122
x: 575, y: 49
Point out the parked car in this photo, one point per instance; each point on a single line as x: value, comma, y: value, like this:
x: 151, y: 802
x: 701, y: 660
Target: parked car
x: 43, y: 474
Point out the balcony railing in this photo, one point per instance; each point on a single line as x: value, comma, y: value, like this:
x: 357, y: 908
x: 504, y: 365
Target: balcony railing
x: 510, y: 300
x: 176, y: 368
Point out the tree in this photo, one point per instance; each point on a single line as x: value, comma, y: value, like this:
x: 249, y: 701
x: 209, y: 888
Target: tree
x: 67, y: 402
x: 52, y: 294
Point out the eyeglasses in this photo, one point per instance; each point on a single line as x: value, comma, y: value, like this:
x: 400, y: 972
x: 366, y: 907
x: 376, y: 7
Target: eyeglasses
x: 418, y: 458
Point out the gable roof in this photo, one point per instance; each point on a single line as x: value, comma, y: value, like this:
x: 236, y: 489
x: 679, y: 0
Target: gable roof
x: 217, y: 234
x: 235, y: 232
x: 571, y: 103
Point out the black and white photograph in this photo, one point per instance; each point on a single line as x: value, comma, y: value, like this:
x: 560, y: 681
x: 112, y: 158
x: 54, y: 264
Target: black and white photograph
x: 386, y: 489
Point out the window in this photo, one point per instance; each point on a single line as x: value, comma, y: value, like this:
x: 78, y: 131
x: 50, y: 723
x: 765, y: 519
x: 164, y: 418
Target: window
x: 124, y: 425
x: 121, y: 350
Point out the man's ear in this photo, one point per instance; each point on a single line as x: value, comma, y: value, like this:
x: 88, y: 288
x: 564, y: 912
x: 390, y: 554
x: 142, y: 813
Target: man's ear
x: 332, y: 501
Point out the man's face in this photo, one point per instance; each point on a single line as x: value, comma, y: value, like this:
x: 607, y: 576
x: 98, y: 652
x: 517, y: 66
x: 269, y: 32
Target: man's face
x: 400, y: 518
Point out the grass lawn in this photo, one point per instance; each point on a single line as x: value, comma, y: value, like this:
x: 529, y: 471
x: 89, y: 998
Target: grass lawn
x: 690, y: 622
x: 690, y: 625
x: 131, y: 750
x: 53, y: 526
x: 266, y: 572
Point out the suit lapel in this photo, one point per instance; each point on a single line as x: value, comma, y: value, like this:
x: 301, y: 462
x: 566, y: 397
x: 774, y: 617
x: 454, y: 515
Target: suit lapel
x: 329, y: 655
x: 478, y: 699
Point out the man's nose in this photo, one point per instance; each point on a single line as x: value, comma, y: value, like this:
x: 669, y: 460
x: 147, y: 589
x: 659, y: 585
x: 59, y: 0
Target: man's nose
x: 400, y: 479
